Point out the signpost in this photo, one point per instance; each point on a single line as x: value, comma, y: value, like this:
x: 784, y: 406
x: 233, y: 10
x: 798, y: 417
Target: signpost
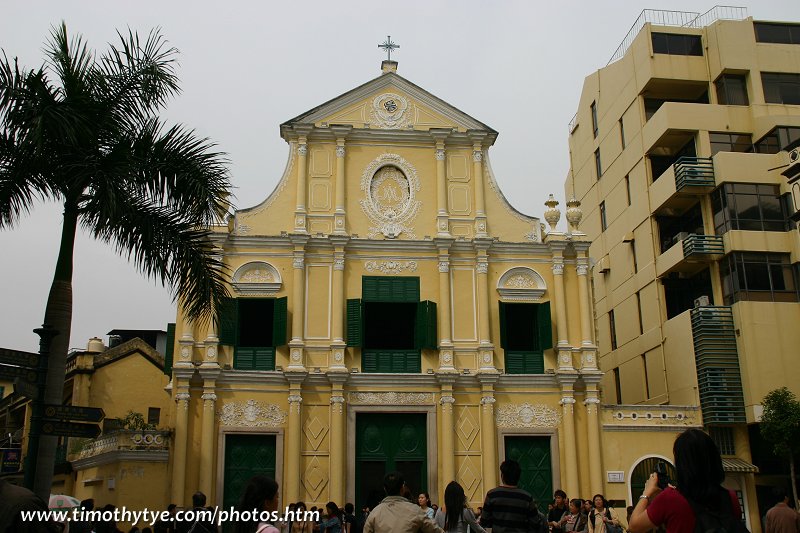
x: 73, y: 412
x: 70, y: 429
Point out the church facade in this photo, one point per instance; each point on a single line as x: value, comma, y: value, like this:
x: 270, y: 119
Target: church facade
x: 390, y: 310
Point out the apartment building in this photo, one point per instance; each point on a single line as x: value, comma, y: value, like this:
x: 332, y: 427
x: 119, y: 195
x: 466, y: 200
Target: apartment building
x: 676, y: 154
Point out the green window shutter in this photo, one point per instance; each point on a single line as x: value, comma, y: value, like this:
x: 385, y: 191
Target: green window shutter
x: 263, y: 358
x: 544, y: 326
x: 244, y: 359
x: 170, y: 350
x: 228, y: 317
x: 502, y: 324
x: 515, y: 362
x: 390, y: 289
x: 425, y: 327
x: 279, y: 322
x: 355, y: 322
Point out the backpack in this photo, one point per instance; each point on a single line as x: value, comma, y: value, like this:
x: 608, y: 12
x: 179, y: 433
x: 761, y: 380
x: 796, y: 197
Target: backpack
x: 721, y: 521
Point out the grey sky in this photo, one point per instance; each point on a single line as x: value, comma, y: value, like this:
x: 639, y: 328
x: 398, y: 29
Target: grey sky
x: 245, y: 67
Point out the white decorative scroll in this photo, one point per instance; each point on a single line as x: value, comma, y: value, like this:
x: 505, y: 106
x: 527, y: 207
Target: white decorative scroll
x: 521, y: 284
x: 558, y: 269
x: 257, y: 278
x: 393, y: 398
x: 477, y: 156
x: 251, y: 414
x: 390, y: 186
x: 338, y: 264
x: 340, y: 151
x: 298, y: 262
x: 527, y: 416
x: 482, y: 267
x: 444, y: 266
x: 390, y: 267
x: 302, y: 149
x: 582, y: 269
x: 440, y: 155
x: 389, y: 111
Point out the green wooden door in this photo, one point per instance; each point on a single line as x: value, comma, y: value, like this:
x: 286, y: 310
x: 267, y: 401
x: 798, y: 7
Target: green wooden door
x: 245, y: 456
x: 388, y: 442
x: 533, y: 455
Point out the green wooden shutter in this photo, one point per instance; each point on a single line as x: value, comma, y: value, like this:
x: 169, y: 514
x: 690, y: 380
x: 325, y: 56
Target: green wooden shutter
x: 544, y: 326
x: 515, y: 362
x: 169, y: 351
x: 279, y: 322
x: 503, y: 335
x: 228, y: 317
x: 425, y: 327
x: 355, y: 322
x: 390, y: 289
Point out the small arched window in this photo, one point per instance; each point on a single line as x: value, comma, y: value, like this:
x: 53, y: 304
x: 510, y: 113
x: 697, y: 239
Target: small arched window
x: 642, y: 471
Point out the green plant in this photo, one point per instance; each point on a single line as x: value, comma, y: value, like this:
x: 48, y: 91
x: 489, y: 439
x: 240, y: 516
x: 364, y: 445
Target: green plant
x: 780, y: 425
x: 135, y: 421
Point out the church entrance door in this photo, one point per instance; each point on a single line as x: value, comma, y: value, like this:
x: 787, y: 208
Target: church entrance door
x: 387, y: 442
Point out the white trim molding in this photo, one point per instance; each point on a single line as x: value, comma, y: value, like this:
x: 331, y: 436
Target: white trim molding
x: 521, y: 284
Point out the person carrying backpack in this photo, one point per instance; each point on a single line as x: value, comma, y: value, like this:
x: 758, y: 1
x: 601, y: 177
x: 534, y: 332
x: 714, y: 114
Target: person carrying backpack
x: 699, y: 503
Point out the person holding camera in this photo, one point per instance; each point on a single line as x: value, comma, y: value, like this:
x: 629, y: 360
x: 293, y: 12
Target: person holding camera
x: 698, y: 496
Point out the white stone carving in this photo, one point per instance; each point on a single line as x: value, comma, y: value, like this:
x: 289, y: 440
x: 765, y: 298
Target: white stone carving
x: 567, y: 400
x: 209, y: 396
x: 185, y: 352
x: 338, y: 264
x: 390, y: 267
x: 477, y: 156
x: 440, y: 154
x: 552, y: 214
x: 487, y: 357
x: 251, y: 414
x: 558, y: 269
x: 340, y: 151
x: 444, y: 266
x: 488, y: 400
x: 482, y: 267
x: 521, y: 284
x: 393, y: 398
x: 298, y: 262
x: 527, y: 416
x: 296, y: 354
x: 574, y: 214
x: 592, y: 400
x: 389, y: 111
x: 338, y: 355
x: 211, y: 353
x: 447, y: 399
x: 257, y: 278
x: 182, y: 397
x: 302, y: 150
x: 295, y: 398
x: 337, y: 404
x: 447, y: 356
x: 390, y: 186
x: 582, y: 269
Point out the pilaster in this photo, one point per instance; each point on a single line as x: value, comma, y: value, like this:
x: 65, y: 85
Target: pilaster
x: 338, y: 346
x: 477, y: 137
x: 448, y: 451
x: 566, y: 382
x: 592, y: 402
x: 297, y: 343
x: 442, y: 214
x: 207, y: 440
x: 563, y: 348
x: 302, y: 130
x: 337, y: 459
x: 485, y: 345
x: 446, y: 356
x: 488, y: 431
x: 339, y: 216
x: 293, y: 431
x: 182, y: 397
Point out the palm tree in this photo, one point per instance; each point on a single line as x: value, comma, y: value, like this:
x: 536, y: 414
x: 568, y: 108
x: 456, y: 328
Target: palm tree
x: 84, y: 131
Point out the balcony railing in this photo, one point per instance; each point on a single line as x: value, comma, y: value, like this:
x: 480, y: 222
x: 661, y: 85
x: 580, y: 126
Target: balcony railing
x: 717, y: 360
x: 695, y: 244
x: 693, y: 172
x: 124, y: 440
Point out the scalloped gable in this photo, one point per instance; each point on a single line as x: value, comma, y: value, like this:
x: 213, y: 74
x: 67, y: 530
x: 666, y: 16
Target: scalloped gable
x: 410, y: 105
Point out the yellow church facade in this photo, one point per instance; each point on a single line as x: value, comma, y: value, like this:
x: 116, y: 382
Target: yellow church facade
x: 391, y: 310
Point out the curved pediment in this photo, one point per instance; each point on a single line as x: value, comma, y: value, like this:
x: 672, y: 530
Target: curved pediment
x: 521, y: 284
x: 257, y: 278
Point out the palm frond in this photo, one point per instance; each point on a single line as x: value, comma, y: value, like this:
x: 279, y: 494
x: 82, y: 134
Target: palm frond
x: 72, y: 62
x: 21, y: 181
x: 165, y: 247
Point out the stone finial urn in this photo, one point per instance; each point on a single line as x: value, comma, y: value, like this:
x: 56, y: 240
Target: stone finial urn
x: 574, y: 214
x: 552, y: 215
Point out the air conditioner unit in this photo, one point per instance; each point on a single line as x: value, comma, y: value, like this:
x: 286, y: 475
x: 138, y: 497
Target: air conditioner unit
x: 680, y: 236
x: 702, y: 301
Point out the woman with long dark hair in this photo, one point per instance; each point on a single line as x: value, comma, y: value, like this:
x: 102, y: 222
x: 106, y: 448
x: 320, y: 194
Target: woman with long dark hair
x: 332, y: 521
x: 698, y: 466
x: 601, y: 515
x: 260, y: 494
x: 455, y: 515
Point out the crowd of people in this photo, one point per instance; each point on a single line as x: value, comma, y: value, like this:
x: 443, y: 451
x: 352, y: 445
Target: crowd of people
x: 695, y: 501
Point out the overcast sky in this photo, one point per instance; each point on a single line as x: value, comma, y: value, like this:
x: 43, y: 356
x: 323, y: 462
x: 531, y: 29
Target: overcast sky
x: 246, y: 67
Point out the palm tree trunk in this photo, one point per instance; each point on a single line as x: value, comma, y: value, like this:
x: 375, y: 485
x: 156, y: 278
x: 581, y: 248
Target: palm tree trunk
x: 58, y: 315
x: 794, y: 480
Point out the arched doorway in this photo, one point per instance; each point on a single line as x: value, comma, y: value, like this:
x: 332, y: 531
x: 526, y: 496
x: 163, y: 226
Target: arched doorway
x: 642, y: 471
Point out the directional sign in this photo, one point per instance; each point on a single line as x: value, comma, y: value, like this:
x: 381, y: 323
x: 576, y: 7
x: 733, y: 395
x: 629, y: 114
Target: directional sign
x: 15, y: 357
x: 26, y: 388
x: 74, y: 412
x: 70, y: 429
x: 12, y: 372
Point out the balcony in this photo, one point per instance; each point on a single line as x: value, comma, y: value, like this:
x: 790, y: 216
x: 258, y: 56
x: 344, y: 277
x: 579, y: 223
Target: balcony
x: 678, y: 188
x: 123, y: 445
x: 702, y: 246
x: 690, y: 254
x: 717, y: 361
x: 696, y: 173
